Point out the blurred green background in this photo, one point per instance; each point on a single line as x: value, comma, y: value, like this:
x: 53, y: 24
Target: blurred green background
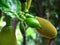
x: 48, y: 9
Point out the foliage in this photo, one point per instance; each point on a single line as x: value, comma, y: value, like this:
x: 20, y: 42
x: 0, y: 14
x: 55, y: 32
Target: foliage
x: 13, y: 9
x: 10, y: 5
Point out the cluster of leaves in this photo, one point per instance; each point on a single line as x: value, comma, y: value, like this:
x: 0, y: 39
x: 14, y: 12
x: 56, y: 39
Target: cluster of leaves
x: 13, y: 8
x: 10, y: 5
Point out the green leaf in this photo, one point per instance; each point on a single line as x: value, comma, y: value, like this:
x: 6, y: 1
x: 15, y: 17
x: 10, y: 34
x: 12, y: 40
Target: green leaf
x: 10, y: 5
x: 31, y: 32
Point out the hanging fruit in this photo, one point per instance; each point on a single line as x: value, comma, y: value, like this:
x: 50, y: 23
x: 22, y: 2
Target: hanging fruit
x: 32, y: 22
x: 7, y: 36
x: 47, y: 29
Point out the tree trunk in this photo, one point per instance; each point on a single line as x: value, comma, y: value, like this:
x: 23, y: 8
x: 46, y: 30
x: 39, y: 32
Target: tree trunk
x: 14, y: 23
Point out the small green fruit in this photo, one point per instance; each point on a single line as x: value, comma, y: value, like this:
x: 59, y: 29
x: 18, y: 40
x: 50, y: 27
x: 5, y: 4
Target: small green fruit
x: 32, y: 22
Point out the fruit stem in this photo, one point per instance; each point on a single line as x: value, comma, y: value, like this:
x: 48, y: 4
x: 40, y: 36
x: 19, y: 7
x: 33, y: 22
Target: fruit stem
x: 14, y: 13
x: 22, y: 29
x: 1, y: 20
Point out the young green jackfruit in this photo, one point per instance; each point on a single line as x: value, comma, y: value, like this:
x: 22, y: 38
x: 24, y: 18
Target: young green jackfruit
x: 47, y: 29
x: 32, y: 22
x: 7, y: 36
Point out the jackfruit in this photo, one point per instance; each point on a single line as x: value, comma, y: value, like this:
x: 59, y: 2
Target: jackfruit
x: 47, y: 29
x: 7, y: 36
x: 32, y: 22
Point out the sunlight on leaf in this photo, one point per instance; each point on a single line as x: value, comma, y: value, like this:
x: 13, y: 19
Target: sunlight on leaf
x: 10, y: 5
x: 31, y: 32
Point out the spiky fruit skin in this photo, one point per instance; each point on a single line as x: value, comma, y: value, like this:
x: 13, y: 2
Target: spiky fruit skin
x: 47, y: 29
x: 7, y: 36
